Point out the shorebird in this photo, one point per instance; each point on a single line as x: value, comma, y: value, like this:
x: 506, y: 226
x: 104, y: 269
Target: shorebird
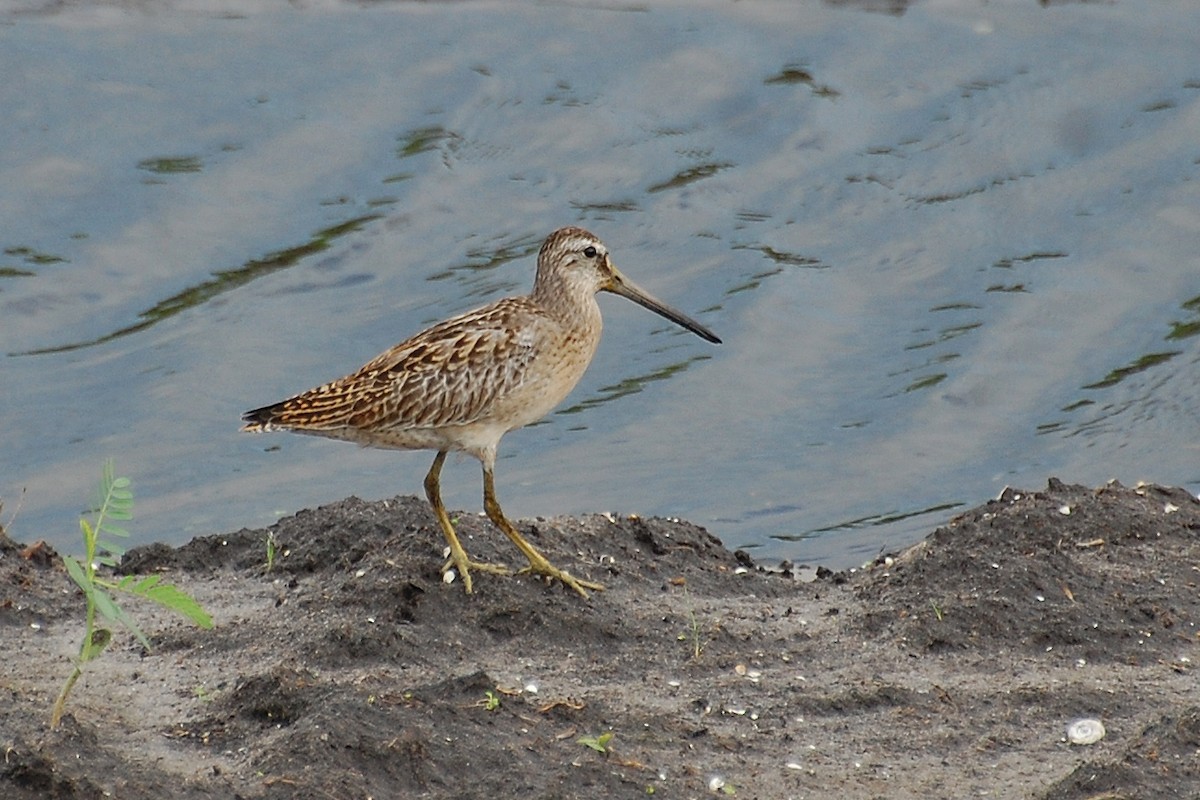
x: 464, y: 383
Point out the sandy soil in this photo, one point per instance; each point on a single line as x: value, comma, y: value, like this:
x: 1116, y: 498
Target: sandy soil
x: 350, y: 670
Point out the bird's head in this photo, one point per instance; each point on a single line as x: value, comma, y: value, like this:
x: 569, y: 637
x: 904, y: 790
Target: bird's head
x: 576, y: 261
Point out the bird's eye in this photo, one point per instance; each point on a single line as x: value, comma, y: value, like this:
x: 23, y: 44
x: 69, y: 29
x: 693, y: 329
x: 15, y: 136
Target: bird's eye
x: 589, y: 251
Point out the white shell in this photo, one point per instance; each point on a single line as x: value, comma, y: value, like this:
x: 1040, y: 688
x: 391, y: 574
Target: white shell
x: 1085, y: 731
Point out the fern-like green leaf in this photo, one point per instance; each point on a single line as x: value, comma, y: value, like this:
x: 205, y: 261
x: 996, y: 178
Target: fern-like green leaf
x: 110, y: 546
x: 145, y: 584
x: 167, y: 595
x: 105, y: 604
x: 135, y: 585
x: 109, y: 608
x: 170, y: 596
x: 75, y: 570
x: 106, y: 481
x: 109, y: 553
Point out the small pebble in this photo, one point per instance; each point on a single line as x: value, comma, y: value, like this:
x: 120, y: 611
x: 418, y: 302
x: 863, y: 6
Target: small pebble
x: 1085, y: 731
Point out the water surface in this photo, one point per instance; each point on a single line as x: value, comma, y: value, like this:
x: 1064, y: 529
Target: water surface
x: 948, y: 250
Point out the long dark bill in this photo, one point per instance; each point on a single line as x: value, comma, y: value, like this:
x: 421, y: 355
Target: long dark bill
x: 626, y: 288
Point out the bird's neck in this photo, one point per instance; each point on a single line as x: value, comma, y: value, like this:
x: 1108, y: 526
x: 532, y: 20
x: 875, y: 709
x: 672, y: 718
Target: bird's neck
x: 573, y: 305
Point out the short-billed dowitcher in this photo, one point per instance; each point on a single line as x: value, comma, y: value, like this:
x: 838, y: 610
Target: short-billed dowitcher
x: 465, y: 382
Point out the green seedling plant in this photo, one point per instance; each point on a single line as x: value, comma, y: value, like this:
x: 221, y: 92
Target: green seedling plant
x: 490, y: 701
x: 597, y: 743
x: 693, y: 633
x: 114, y: 505
x: 271, y: 545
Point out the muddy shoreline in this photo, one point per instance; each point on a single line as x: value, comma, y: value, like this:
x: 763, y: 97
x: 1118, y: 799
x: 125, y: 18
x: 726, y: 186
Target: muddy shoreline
x: 350, y: 670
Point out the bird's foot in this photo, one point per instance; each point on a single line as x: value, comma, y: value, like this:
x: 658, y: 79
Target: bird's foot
x: 463, y: 565
x: 544, y: 567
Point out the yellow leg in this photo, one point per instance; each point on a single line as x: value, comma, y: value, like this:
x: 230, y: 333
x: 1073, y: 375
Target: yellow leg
x: 458, y: 556
x: 537, y: 562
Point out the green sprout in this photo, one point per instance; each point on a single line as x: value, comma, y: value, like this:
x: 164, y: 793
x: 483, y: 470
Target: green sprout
x: 270, y: 550
x: 115, y: 504
x: 597, y: 743
x: 693, y: 633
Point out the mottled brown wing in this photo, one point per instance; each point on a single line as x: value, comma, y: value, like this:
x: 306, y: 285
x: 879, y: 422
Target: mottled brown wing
x: 449, y: 374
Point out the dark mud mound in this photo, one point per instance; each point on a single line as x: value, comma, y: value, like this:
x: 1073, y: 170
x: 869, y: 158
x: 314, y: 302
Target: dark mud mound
x: 347, y: 668
x: 1096, y: 574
